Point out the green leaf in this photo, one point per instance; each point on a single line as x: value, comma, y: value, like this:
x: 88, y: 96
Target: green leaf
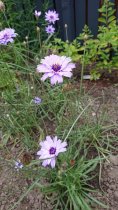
x: 111, y: 19
x: 102, y: 20
x: 103, y: 9
x: 7, y: 77
x: 5, y: 139
x: 111, y: 12
x: 58, y: 41
x: 81, y: 48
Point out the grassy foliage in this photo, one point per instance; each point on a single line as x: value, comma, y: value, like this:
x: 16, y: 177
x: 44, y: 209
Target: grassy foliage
x: 68, y: 115
x: 20, y: 16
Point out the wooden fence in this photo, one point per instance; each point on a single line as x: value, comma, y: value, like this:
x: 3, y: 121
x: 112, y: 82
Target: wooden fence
x: 77, y: 13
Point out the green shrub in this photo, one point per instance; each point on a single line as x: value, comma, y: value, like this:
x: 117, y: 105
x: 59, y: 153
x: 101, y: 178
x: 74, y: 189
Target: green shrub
x: 100, y: 53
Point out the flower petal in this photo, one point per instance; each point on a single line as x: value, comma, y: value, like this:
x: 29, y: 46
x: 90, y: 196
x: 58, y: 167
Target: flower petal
x: 53, y: 162
x: 64, y: 144
x: 56, y: 79
x: 50, y: 148
x: 49, y: 140
x: 61, y: 147
x: 43, y: 69
x: 46, y: 162
x: 45, y: 145
x: 66, y: 74
x: 68, y: 67
x: 46, y: 75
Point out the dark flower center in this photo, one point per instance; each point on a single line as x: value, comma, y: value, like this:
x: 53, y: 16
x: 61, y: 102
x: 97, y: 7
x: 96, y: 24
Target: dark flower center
x: 6, y: 36
x: 52, y: 151
x: 19, y: 164
x: 51, y: 16
x: 56, y: 67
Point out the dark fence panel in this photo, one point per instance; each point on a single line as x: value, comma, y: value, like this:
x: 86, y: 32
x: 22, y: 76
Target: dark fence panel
x: 39, y: 4
x: 116, y: 7
x: 93, y: 15
x: 77, y: 13
x: 66, y: 10
x: 80, y: 15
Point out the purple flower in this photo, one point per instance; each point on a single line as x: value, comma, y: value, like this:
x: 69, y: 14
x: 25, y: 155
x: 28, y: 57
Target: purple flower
x: 37, y: 100
x: 7, y: 36
x: 50, y: 149
x: 55, y: 67
x: 50, y: 29
x: 51, y: 16
x: 18, y: 165
x: 37, y: 13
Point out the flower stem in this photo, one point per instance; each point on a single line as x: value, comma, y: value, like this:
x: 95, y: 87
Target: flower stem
x: 78, y: 117
x: 82, y: 71
x: 6, y: 19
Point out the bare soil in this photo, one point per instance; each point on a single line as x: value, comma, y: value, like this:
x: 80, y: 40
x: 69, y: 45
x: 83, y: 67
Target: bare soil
x: 109, y: 185
x: 13, y: 186
x: 109, y: 182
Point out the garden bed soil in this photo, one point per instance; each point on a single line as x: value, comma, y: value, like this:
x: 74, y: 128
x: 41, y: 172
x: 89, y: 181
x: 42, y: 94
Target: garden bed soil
x: 109, y: 185
x: 13, y: 185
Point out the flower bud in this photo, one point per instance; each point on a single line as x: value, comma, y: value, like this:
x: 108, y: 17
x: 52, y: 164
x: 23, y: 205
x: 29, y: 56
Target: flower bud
x: 37, y: 60
x: 37, y: 29
x: 26, y: 37
x: 85, y: 36
x: 2, y: 6
x: 24, y: 42
x: 66, y: 26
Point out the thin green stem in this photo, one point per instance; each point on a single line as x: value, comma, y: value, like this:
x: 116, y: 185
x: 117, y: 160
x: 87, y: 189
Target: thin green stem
x: 66, y: 30
x: 39, y: 39
x: 82, y: 71
x: 6, y: 19
x: 7, y: 67
x: 77, y: 120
